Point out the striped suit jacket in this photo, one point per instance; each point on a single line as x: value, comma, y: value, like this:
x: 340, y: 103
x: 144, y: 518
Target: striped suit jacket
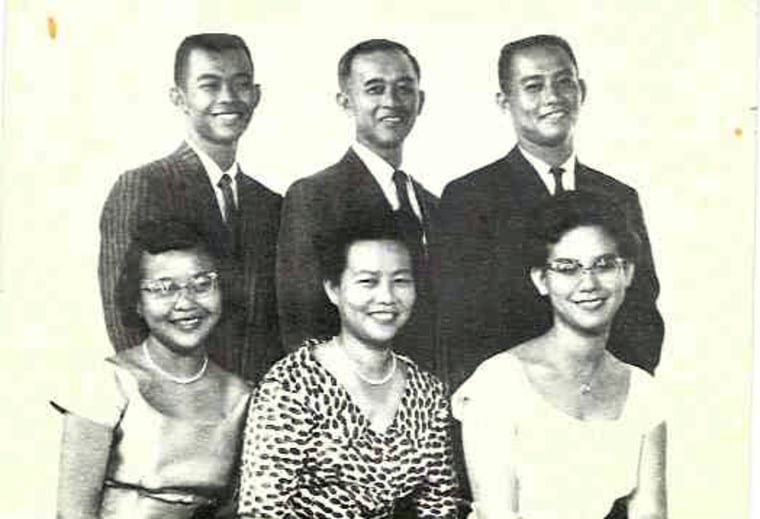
x: 246, y: 341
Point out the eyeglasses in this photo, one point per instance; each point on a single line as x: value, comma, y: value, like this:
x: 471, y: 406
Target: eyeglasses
x: 604, y: 267
x: 168, y: 288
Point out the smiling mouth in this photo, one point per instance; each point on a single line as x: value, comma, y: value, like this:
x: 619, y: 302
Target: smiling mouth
x: 393, y: 120
x: 384, y: 317
x: 187, y: 323
x: 591, y: 304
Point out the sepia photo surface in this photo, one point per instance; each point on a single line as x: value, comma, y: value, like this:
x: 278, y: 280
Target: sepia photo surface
x: 670, y: 111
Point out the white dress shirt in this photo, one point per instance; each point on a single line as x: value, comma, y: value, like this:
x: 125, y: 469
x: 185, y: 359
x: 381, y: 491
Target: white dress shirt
x: 215, y: 173
x: 568, y: 177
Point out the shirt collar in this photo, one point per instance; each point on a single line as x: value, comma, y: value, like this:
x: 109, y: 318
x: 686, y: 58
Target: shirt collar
x: 213, y: 170
x: 380, y: 169
x: 542, y: 168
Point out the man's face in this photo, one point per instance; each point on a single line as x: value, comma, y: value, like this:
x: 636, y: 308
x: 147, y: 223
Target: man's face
x: 544, y: 96
x: 383, y: 97
x: 218, y: 95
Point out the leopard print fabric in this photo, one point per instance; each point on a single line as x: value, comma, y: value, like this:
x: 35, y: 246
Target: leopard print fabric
x: 309, y: 451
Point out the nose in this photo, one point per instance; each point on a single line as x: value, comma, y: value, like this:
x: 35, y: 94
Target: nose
x: 227, y: 92
x: 391, y: 96
x: 384, y: 292
x: 185, y: 299
x: 588, y: 280
x: 551, y: 92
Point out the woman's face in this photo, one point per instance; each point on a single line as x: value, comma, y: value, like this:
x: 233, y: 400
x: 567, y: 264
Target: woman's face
x: 179, y: 297
x: 585, y: 279
x: 376, y: 292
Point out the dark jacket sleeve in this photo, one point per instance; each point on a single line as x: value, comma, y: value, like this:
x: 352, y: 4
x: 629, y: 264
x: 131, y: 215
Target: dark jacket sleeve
x: 638, y: 330
x: 299, y: 290
x: 126, y: 203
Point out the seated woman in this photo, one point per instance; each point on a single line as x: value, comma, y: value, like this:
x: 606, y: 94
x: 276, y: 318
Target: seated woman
x: 345, y: 427
x: 159, y: 435
x: 557, y: 427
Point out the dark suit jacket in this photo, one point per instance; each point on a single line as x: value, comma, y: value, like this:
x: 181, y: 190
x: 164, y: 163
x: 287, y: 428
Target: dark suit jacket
x: 246, y: 341
x: 314, y: 207
x: 487, y: 301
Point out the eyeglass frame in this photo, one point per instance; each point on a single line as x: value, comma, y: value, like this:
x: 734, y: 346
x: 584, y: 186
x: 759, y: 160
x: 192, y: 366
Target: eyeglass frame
x: 579, y: 269
x: 189, y: 285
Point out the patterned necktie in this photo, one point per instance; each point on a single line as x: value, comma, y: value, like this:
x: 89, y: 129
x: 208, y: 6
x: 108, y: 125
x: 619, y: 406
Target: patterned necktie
x: 557, y: 174
x: 409, y: 224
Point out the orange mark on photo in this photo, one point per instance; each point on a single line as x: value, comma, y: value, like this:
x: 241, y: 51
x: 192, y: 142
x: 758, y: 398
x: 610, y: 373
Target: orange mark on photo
x: 52, y: 27
x: 738, y: 132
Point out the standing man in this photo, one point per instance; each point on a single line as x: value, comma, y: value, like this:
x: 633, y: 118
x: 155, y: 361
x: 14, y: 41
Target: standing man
x: 202, y: 184
x: 487, y: 302
x: 379, y: 90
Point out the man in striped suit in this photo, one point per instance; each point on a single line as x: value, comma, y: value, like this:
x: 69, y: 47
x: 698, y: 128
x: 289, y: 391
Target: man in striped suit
x: 201, y: 183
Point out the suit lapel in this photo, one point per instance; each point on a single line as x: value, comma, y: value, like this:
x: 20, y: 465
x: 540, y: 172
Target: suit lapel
x: 194, y: 189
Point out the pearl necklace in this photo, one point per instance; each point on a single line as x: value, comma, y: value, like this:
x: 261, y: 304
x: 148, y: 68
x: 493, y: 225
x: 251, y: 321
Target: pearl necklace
x: 173, y: 378
x: 372, y: 382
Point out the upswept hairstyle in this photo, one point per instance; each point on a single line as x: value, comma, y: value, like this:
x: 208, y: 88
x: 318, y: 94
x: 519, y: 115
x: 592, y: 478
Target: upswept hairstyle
x: 332, y: 248
x: 368, y: 47
x: 558, y: 215
x: 509, y: 50
x: 216, y: 42
x: 154, y: 236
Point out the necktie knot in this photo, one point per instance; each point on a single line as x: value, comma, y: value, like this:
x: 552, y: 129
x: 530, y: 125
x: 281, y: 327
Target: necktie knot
x: 557, y: 174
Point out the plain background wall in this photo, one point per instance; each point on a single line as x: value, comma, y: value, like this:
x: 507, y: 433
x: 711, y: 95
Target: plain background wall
x: 670, y: 110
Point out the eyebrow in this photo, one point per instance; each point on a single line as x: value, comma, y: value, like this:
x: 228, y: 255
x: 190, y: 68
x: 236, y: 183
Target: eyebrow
x: 209, y: 76
x: 375, y: 80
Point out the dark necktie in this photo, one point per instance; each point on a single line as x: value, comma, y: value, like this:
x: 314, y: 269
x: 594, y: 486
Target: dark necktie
x: 230, y: 209
x: 409, y: 224
x: 225, y: 184
x: 557, y: 174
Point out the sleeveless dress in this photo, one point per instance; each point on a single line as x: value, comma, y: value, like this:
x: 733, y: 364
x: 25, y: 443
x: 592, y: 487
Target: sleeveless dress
x: 565, y: 467
x: 160, y: 466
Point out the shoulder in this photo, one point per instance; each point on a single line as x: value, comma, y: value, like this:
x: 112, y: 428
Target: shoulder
x: 605, y: 182
x: 423, y: 380
x: 140, y: 181
x: 323, y: 180
x: 296, y: 371
x: 259, y: 190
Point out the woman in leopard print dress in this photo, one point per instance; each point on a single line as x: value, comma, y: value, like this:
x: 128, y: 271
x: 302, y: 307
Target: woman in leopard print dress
x: 344, y: 427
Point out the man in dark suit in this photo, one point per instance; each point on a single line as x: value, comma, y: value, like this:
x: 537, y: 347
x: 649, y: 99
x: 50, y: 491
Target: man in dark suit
x: 379, y: 90
x: 487, y: 303
x: 201, y: 183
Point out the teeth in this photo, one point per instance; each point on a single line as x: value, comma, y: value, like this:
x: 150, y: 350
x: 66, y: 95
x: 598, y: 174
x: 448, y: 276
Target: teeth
x: 228, y: 117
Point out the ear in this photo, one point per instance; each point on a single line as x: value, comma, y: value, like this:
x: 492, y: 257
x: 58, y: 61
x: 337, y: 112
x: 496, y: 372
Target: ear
x: 502, y: 101
x: 629, y: 269
x: 538, y: 276
x: 344, y: 102
x: 582, y: 85
x: 422, y: 101
x: 139, y: 308
x: 331, y: 291
x: 256, y: 96
x: 177, y: 97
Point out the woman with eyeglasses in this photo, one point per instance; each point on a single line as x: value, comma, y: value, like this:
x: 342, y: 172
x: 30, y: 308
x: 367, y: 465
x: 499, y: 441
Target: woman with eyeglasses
x: 156, y: 431
x: 345, y: 427
x: 557, y: 427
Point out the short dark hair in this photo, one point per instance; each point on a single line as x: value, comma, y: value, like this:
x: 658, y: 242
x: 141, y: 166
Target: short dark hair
x: 368, y: 47
x: 332, y: 248
x: 558, y: 215
x: 154, y: 236
x: 509, y: 50
x: 216, y: 42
